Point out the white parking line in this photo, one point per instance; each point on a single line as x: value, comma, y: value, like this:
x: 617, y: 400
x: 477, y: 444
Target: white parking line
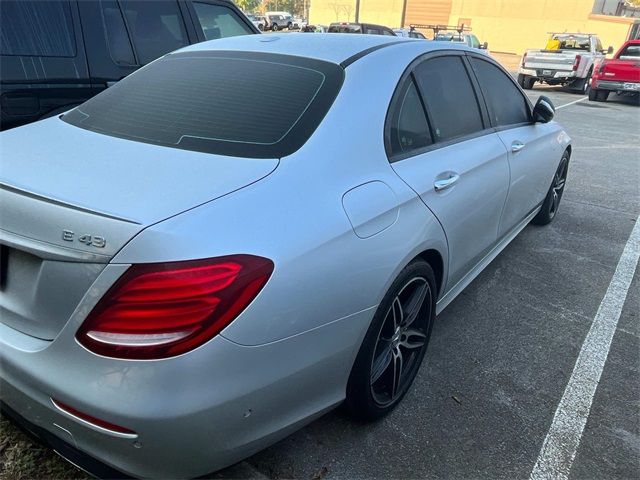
x: 562, y: 440
x: 571, y: 103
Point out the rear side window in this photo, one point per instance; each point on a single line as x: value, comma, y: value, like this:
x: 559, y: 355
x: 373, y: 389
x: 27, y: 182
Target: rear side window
x: 156, y: 27
x: 37, y: 28
x: 218, y: 21
x: 230, y: 103
x: 409, y: 129
x: 449, y: 97
x: 507, y: 106
x: 116, y: 32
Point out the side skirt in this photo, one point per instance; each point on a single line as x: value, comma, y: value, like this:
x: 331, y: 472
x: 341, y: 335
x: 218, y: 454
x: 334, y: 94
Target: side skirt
x: 481, y: 265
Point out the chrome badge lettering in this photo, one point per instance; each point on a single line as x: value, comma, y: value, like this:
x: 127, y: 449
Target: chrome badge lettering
x: 90, y: 240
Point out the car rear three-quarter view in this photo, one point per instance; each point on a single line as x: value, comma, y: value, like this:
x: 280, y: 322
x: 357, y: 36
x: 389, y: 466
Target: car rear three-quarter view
x: 247, y: 233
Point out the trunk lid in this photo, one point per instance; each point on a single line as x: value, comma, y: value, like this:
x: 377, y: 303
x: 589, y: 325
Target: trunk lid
x: 72, y: 198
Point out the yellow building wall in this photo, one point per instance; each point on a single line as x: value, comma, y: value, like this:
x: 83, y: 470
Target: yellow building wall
x: 516, y: 25
x: 382, y: 12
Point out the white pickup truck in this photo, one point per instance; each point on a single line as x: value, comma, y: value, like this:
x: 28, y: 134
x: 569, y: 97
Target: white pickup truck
x: 567, y: 60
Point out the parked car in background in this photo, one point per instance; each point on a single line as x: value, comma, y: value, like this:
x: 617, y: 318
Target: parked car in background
x: 163, y: 314
x: 299, y: 23
x: 364, y: 28
x: 315, y: 28
x: 621, y: 74
x: 468, y: 39
x: 258, y: 21
x: 56, y: 54
x: 568, y: 59
x: 410, y: 32
x: 279, y: 20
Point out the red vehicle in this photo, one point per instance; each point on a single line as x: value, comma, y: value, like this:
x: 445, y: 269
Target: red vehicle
x: 620, y: 74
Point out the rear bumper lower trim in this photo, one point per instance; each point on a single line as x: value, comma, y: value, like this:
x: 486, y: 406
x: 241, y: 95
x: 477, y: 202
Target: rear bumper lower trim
x: 68, y: 452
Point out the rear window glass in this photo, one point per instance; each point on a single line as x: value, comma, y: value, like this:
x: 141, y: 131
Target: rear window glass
x: 36, y: 28
x: 230, y: 103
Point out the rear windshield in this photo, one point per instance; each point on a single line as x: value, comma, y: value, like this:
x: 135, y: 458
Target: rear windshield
x: 345, y: 29
x: 229, y: 103
x: 631, y: 52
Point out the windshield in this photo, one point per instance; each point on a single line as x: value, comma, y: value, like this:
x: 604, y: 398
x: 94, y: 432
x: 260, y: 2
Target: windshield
x: 449, y: 37
x: 630, y: 52
x: 230, y: 103
x: 571, y: 42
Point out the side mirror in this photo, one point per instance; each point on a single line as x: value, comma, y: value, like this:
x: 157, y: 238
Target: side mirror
x: 609, y: 50
x: 544, y: 110
x: 484, y: 46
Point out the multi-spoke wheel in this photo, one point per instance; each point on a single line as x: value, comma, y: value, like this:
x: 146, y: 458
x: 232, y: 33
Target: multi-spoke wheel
x: 394, y: 345
x: 552, y: 201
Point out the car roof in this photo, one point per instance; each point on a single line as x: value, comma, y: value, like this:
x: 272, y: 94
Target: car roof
x: 330, y: 47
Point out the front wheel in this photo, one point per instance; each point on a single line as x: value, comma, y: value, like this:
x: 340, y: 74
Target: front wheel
x: 394, y: 346
x: 275, y: 27
x: 552, y: 201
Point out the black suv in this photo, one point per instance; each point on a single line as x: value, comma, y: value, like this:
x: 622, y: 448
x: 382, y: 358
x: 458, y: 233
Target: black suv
x: 55, y: 54
x: 365, y: 28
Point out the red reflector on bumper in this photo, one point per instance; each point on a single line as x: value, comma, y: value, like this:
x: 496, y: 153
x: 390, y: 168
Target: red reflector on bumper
x: 93, y: 421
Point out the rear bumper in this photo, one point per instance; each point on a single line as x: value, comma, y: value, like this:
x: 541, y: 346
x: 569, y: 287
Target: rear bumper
x: 64, y: 449
x: 209, y: 408
x: 616, y: 86
x: 547, y: 74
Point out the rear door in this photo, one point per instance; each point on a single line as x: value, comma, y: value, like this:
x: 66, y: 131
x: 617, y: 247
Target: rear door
x: 440, y: 143
x: 530, y: 157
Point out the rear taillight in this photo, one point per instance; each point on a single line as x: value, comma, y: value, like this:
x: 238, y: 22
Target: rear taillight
x: 162, y: 310
x: 576, y: 62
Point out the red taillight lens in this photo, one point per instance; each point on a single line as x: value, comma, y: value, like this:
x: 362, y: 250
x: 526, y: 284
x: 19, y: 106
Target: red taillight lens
x: 96, y: 422
x: 162, y: 310
x: 576, y: 62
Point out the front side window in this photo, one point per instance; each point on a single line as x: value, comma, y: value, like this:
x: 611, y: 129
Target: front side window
x: 157, y: 28
x: 37, y: 28
x: 449, y: 97
x: 408, y: 129
x: 217, y: 102
x: 218, y: 21
x: 507, y: 106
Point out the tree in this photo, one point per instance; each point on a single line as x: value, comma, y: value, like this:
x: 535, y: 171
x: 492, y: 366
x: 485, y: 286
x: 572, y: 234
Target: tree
x: 248, y: 5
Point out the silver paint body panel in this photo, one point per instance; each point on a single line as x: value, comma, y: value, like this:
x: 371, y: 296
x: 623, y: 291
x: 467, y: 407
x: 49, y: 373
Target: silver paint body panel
x: 287, y: 357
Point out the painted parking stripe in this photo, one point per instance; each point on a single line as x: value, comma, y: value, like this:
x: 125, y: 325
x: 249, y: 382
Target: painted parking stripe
x: 563, y: 439
x: 571, y: 103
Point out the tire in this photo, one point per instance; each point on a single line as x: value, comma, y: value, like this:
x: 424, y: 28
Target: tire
x: 289, y: 26
x: 552, y: 201
x: 598, y: 95
x: 274, y: 27
x: 526, y: 82
x: 392, y: 349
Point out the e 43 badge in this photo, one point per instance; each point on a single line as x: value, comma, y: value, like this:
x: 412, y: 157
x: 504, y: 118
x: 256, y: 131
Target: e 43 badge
x: 91, y: 240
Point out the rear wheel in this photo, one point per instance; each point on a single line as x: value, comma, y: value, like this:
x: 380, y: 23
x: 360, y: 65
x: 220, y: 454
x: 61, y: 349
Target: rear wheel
x: 596, y: 95
x: 526, y: 81
x: 395, y: 344
x: 552, y: 201
x: 275, y: 27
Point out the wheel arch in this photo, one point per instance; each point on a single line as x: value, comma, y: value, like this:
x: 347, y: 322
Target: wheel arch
x: 434, y: 258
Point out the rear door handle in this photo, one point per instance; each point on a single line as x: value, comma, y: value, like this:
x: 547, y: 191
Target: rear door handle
x: 516, y: 146
x: 445, y: 183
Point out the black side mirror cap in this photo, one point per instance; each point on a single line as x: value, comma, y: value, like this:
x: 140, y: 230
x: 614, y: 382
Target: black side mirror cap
x: 544, y: 110
x: 609, y: 50
x: 484, y: 46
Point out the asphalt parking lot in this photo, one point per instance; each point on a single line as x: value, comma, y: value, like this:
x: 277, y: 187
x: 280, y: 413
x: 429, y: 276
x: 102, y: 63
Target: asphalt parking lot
x: 502, y: 354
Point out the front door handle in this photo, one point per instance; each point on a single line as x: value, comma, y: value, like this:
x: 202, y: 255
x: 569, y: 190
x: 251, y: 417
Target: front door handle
x: 445, y: 183
x: 517, y: 146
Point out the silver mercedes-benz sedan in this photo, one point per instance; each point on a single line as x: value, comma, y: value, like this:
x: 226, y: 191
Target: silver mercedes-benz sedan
x: 249, y: 232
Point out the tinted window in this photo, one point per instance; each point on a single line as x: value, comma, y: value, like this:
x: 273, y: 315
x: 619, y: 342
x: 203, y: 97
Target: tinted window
x: 217, y: 21
x: 409, y: 129
x: 116, y: 32
x: 157, y: 28
x: 240, y: 104
x: 449, y: 96
x: 372, y: 31
x: 631, y: 52
x: 507, y: 106
x: 475, y: 43
x: 37, y: 28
